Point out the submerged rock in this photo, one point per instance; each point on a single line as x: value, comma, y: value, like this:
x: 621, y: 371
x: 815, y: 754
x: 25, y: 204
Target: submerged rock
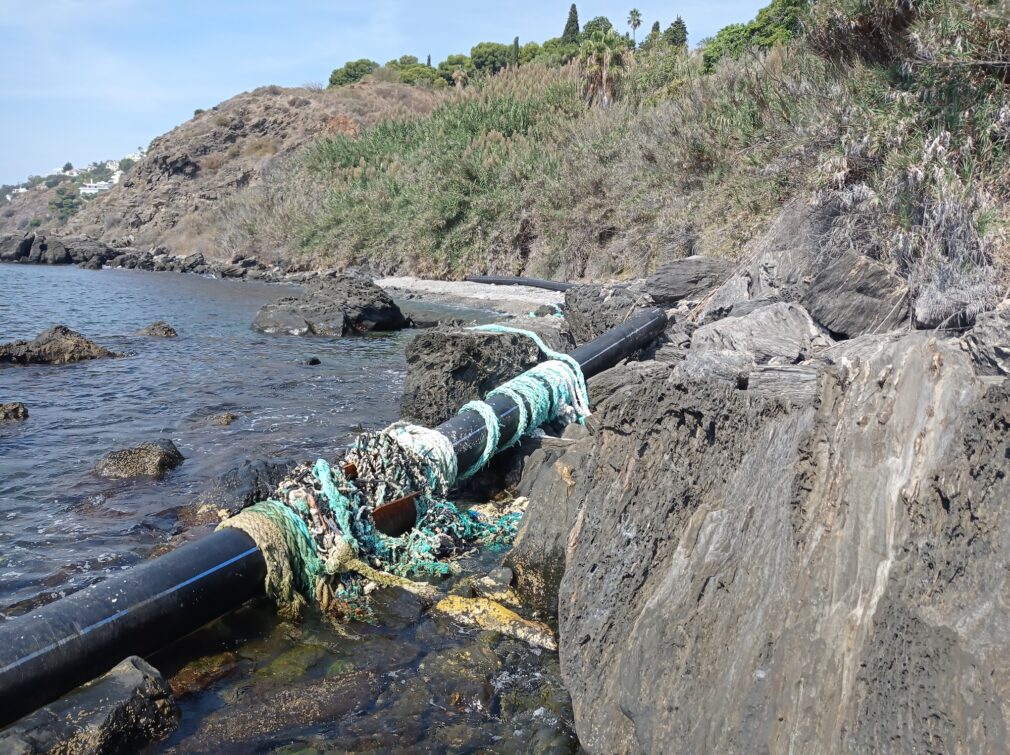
x: 448, y: 366
x: 14, y: 412
x: 332, y: 307
x: 487, y: 614
x: 123, y: 711
x: 252, y: 481
x: 734, y: 564
x: 158, y: 329
x: 58, y: 345
x: 146, y: 460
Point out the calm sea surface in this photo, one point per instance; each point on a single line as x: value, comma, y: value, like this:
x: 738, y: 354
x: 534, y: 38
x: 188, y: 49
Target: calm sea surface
x: 62, y: 528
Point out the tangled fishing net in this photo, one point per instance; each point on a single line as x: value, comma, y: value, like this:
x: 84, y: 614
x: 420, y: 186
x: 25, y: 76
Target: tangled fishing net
x: 317, y: 532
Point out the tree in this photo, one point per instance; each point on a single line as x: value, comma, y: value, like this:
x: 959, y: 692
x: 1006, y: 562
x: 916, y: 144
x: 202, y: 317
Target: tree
x: 459, y: 77
x: 68, y: 167
x: 429, y: 61
x: 571, y: 32
x: 776, y: 23
x: 126, y: 163
x: 447, y: 68
x: 490, y: 56
x: 602, y: 59
x: 676, y: 34
x: 515, y: 53
x: 634, y: 21
x: 352, y: 71
x: 600, y: 23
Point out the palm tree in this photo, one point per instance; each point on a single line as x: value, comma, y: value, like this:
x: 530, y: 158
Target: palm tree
x: 602, y: 58
x: 634, y: 21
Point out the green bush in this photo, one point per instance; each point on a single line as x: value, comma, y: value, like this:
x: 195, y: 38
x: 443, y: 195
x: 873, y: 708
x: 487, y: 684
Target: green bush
x: 600, y: 24
x: 490, y: 57
x: 353, y: 71
x: 776, y: 23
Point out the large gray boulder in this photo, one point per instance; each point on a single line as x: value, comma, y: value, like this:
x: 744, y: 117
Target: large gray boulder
x: 855, y: 295
x: 593, y: 309
x: 332, y: 307
x: 153, y: 460
x: 58, y: 345
x: 252, y: 481
x: 735, y: 564
x: 687, y: 278
x: 449, y: 366
x: 123, y: 711
x: 783, y: 333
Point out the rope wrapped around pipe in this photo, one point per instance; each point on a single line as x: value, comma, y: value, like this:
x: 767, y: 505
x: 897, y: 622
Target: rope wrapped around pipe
x: 317, y: 534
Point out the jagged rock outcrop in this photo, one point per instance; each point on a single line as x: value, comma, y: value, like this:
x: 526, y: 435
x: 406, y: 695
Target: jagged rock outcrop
x: 448, y: 366
x: 988, y: 342
x: 332, y: 307
x: 812, y: 564
x: 58, y: 345
x: 153, y: 460
x: 856, y: 295
x: 592, y: 309
x: 123, y: 711
x: 687, y: 278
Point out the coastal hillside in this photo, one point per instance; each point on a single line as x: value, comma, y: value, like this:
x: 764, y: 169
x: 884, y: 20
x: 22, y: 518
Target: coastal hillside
x: 891, y: 119
x: 172, y: 197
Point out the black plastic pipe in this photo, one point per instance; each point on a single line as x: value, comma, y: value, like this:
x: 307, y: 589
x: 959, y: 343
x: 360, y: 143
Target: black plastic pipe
x: 57, y: 647
x: 497, y: 280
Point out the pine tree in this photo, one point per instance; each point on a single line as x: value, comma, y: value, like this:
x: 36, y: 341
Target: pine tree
x: 571, y: 33
x: 676, y: 34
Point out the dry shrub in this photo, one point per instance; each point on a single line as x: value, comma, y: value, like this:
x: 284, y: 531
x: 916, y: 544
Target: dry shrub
x: 342, y: 125
x: 263, y: 146
x: 211, y: 162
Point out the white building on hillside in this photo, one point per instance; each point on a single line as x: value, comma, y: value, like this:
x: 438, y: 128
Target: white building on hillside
x: 95, y: 188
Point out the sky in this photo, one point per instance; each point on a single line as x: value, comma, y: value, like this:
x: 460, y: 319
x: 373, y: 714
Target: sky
x: 87, y: 80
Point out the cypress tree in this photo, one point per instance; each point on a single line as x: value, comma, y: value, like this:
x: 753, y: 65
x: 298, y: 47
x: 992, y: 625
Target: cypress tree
x: 429, y: 60
x: 655, y: 27
x: 515, y: 52
x: 676, y: 34
x: 571, y: 33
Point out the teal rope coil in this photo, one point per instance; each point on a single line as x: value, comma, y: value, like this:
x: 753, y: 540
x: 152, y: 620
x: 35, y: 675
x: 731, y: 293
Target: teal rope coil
x: 491, y: 436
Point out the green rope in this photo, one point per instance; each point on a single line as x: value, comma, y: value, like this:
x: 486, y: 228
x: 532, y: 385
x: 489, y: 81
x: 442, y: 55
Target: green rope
x: 492, y: 433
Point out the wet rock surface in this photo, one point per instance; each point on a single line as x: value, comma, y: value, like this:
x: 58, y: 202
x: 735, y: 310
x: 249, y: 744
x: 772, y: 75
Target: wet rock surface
x: 332, y: 307
x: 13, y: 412
x: 449, y: 366
x: 123, y: 711
x: 152, y: 460
x: 58, y: 345
x: 730, y: 563
x: 158, y: 329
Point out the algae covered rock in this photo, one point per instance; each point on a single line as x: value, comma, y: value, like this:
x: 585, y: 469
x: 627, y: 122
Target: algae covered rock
x: 153, y: 459
x: 591, y: 310
x: 125, y: 710
x: 58, y: 345
x: 448, y: 366
x: 158, y: 329
x: 13, y: 412
x: 332, y: 307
